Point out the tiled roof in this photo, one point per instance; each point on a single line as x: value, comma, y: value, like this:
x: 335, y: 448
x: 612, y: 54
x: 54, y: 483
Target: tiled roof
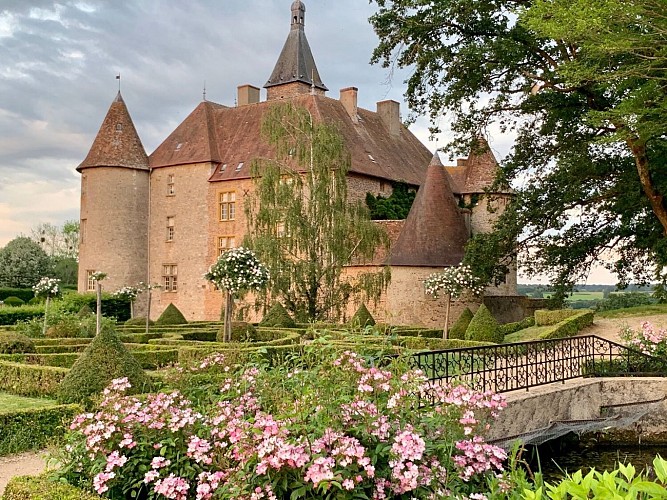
x: 296, y: 62
x: 193, y: 141
x: 117, y: 143
x: 481, y: 169
x: 435, y: 233
x: 231, y: 136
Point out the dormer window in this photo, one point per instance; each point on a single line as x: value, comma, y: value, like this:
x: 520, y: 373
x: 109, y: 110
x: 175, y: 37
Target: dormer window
x: 223, y: 167
x: 178, y: 146
x: 239, y: 166
x: 119, y: 127
x: 370, y: 157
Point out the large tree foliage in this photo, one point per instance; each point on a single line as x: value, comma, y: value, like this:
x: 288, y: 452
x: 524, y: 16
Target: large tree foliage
x: 301, y: 223
x: 582, y: 85
x: 22, y: 263
x: 58, y: 241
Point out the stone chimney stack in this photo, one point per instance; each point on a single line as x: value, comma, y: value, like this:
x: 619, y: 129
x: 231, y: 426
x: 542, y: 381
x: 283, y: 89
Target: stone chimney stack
x: 348, y: 98
x: 247, y: 94
x: 390, y: 114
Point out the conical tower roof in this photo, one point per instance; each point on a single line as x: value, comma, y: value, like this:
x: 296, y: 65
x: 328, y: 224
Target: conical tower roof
x: 481, y: 169
x: 296, y: 62
x: 117, y: 143
x: 435, y: 232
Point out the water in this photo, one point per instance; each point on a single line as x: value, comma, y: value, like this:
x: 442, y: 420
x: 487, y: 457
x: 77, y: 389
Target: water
x: 569, y: 454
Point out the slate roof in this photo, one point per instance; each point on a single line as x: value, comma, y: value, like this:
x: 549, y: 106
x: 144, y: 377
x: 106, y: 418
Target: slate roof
x: 231, y: 136
x: 296, y: 62
x: 117, y: 143
x: 435, y: 233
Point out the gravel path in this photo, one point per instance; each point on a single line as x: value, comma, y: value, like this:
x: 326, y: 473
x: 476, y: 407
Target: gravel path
x: 20, y: 465
x: 35, y: 463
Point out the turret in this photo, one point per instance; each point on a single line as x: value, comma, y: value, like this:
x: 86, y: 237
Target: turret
x: 114, y: 204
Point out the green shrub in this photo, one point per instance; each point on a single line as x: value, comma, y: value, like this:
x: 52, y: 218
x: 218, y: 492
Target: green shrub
x: 34, y: 428
x: 11, y: 343
x: 85, y: 310
x: 201, y: 335
x: 112, y: 307
x: 105, y: 359
x: 362, y: 318
x: 483, y: 327
x: 458, y: 329
x: 41, y: 488
x: 241, y: 332
x: 569, y: 326
x: 508, y: 328
x: 25, y: 294
x: 544, y: 317
x: 139, y: 338
x: 620, y: 300
x: 13, y: 301
x: 30, y: 380
x: 35, y: 301
x: 438, y: 344
x: 68, y: 325
x: 171, y: 316
x: 278, y: 317
x: 139, y: 322
x: 12, y: 315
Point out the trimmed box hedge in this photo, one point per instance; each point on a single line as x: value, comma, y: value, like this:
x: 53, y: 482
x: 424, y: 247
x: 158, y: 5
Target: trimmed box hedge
x: 272, y: 353
x: 34, y: 428
x: 570, y: 326
x: 12, y: 315
x: 41, y: 488
x: 430, y: 344
x: 30, y: 380
x: 25, y: 294
x: 544, y: 317
x: 508, y: 328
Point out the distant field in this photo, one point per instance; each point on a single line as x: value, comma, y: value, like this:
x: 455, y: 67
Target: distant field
x: 580, y: 296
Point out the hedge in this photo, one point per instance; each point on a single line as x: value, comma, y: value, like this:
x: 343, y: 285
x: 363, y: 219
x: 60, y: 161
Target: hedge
x: 544, y: 317
x: 439, y: 344
x: 34, y: 428
x: 30, y: 380
x: 569, y: 326
x: 25, y: 294
x: 271, y: 353
x: 41, y: 488
x: 116, y: 307
x: 508, y: 328
x: 149, y: 359
x: 12, y: 315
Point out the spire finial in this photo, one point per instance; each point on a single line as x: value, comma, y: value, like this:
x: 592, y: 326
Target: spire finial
x: 298, y: 15
x: 118, y: 78
x: 204, y: 91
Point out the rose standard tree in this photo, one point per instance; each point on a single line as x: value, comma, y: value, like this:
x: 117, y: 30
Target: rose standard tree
x: 237, y: 271
x: 46, y: 287
x: 453, y: 281
x: 130, y: 293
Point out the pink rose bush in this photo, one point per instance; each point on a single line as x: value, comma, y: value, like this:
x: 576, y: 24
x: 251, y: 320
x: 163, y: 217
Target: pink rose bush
x: 649, y: 340
x: 329, y: 426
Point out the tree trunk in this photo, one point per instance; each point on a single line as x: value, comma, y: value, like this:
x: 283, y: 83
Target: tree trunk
x: 229, y: 303
x: 46, y: 311
x: 445, y: 331
x: 98, y: 323
x: 655, y: 198
x: 131, y: 308
x: 148, y: 308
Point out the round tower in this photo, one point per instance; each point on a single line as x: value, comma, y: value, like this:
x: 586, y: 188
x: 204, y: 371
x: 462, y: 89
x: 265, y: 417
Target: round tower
x: 114, y: 204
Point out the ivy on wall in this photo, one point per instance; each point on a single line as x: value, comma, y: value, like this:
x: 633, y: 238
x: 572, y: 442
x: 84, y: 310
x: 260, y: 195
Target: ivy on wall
x: 396, y: 206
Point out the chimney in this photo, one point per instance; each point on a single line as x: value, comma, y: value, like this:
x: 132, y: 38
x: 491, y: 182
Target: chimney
x: 247, y: 94
x: 390, y: 114
x: 348, y: 98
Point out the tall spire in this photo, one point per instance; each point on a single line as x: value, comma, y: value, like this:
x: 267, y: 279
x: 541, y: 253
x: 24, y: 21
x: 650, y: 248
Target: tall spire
x: 117, y: 143
x: 296, y: 62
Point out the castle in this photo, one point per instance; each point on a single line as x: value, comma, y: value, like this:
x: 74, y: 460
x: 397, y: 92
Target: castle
x: 165, y: 218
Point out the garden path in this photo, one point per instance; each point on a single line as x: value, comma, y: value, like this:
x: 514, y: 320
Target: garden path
x: 33, y: 463
x: 23, y: 464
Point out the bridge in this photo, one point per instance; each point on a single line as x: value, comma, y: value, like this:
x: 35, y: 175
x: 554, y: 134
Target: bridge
x: 580, y: 384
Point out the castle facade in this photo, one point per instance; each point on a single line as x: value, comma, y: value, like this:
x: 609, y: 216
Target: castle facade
x: 165, y: 218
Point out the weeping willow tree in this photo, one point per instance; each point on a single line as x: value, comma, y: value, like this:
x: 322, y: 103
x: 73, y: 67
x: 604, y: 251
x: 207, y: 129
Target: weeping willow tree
x: 301, y: 223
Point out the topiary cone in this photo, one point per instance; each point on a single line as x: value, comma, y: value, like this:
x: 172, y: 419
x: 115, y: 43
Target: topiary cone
x: 484, y: 328
x: 105, y: 359
x: 362, y: 317
x: 458, y: 329
x: 278, y: 317
x: 171, y: 316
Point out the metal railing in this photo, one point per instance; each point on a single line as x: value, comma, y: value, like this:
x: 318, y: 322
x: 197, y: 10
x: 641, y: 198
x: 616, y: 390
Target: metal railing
x: 521, y: 365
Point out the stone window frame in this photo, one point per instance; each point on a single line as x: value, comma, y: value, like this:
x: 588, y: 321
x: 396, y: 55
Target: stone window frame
x: 171, y: 228
x: 170, y: 277
x: 90, y: 282
x: 226, y: 239
x: 171, y: 190
x: 227, y: 205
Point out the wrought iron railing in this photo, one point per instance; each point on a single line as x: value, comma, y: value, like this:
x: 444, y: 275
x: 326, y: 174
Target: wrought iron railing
x: 521, y: 365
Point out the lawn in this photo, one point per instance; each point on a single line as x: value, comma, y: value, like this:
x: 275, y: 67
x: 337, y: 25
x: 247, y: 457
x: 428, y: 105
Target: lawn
x: 10, y: 403
x: 645, y: 310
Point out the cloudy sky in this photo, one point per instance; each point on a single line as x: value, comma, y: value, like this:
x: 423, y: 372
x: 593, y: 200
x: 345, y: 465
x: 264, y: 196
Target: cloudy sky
x: 59, y: 59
